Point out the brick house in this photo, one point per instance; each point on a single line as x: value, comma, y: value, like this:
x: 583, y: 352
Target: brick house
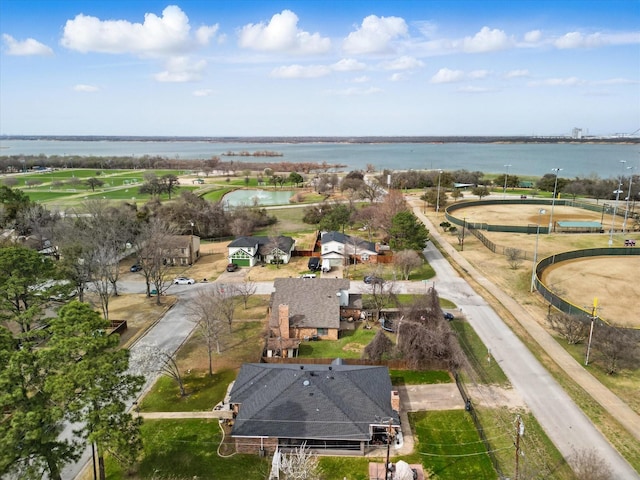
x: 182, y: 249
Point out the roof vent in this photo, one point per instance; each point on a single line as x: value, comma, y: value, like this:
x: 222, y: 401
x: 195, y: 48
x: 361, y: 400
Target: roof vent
x: 306, y: 383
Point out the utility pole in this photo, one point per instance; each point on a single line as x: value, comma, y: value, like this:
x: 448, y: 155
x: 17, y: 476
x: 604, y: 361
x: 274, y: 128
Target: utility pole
x: 519, y: 433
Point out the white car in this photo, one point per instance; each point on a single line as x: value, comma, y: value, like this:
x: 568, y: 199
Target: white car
x: 184, y: 281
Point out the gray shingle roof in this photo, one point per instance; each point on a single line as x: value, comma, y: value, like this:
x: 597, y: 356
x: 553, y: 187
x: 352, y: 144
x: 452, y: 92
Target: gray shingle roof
x: 284, y: 243
x: 325, y: 402
x: 312, y: 301
x: 347, y: 240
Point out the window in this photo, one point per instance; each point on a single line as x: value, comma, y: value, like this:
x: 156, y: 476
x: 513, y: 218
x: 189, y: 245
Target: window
x: 323, y: 331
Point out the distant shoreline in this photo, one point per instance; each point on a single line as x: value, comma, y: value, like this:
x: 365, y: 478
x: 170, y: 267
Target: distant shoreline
x: 346, y: 140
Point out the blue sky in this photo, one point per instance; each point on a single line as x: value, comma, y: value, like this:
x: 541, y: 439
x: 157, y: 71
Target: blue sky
x: 347, y: 68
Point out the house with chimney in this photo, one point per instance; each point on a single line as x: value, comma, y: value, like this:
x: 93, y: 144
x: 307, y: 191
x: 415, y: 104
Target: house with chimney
x: 332, y: 409
x: 308, y: 309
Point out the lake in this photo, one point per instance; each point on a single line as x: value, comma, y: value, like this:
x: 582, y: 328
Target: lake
x: 575, y: 160
x: 257, y: 197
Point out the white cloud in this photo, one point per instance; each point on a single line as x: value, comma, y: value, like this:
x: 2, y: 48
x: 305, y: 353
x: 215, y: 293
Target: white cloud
x: 616, y: 81
x: 205, y: 92
x: 362, y: 79
x: 446, y: 75
x: 300, y: 71
x: 479, y: 74
x: 375, y: 35
x: 281, y: 34
x: 354, y: 91
x: 487, y: 40
x: 157, y: 36
x: 517, y: 73
x: 534, y: 36
x: 85, y: 88
x: 180, y: 70
x: 398, y: 76
x: 580, y: 40
x: 25, y: 47
x: 403, y: 63
x: 557, y: 82
x: 348, y: 65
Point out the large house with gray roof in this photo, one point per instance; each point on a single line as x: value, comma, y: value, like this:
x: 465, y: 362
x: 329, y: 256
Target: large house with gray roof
x: 306, y: 308
x: 339, y: 248
x: 332, y: 408
x: 248, y: 251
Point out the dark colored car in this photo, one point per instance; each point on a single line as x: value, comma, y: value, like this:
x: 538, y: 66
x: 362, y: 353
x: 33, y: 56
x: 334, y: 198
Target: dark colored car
x: 232, y: 267
x: 372, y: 279
x: 135, y: 268
x: 448, y: 316
x: 314, y: 264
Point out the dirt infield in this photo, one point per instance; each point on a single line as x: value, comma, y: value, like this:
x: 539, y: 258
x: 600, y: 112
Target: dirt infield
x: 612, y: 280
x: 524, y: 215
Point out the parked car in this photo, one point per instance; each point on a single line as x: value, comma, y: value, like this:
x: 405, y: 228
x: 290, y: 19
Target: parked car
x: 135, y: 268
x: 232, y: 267
x: 448, y: 316
x: 308, y: 275
x: 372, y: 279
x: 314, y: 264
x: 183, y: 281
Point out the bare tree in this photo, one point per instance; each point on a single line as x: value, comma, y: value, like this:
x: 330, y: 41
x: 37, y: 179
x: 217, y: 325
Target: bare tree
x: 370, y: 190
x: 406, y: 261
x: 152, y: 243
x: 224, y: 297
x: 514, y: 257
x: 617, y: 348
x: 151, y: 359
x: 300, y: 464
x: 245, y: 290
x: 383, y: 294
x: 204, y: 310
x: 573, y: 329
x: 422, y: 344
x: 379, y: 347
x: 589, y: 465
x: 273, y: 248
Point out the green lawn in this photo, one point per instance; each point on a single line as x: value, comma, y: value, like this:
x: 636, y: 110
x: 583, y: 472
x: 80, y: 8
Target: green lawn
x: 422, y: 377
x: 187, y: 449
x: 349, y: 346
x: 216, y: 195
x: 203, y: 393
x: 487, y: 370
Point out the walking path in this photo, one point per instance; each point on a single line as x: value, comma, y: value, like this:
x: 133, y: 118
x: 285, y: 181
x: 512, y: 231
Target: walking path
x: 565, y: 424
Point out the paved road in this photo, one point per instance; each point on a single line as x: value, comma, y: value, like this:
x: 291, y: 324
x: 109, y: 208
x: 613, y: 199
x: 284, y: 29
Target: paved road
x: 565, y: 424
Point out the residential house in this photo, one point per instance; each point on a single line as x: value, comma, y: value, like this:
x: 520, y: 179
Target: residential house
x: 333, y: 408
x: 249, y: 251
x: 338, y: 249
x: 310, y: 308
x: 182, y: 249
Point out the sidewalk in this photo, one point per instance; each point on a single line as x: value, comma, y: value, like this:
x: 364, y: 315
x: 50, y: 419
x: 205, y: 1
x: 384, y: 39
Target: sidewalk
x: 601, y: 394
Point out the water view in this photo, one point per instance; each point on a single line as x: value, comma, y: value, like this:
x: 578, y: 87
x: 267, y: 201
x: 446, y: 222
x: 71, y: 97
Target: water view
x: 257, y: 197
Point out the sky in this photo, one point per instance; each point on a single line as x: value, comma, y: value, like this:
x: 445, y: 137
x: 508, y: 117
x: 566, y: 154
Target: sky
x: 319, y: 68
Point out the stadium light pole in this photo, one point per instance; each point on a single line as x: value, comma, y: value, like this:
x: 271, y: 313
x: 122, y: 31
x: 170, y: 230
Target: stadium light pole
x: 553, y: 200
x: 626, y: 211
x: 541, y: 212
x: 438, y: 193
x: 506, y: 175
x: 615, y: 207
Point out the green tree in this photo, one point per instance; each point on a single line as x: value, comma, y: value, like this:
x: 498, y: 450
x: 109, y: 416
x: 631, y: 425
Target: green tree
x: 336, y: 219
x: 169, y: 184
x: 481, y: 191
x: 94, y: 382
x: 296, y: 178
x: 12, y: 201
x: 93, y: 183
x: 24, y: 284
x: 407, y: 233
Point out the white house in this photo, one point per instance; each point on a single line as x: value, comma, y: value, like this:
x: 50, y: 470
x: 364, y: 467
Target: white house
x: 248, y: 251
x: 338, y: 248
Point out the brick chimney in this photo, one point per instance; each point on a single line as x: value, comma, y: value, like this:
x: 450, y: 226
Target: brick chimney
x: 395, y: 400
x: 283, y: 320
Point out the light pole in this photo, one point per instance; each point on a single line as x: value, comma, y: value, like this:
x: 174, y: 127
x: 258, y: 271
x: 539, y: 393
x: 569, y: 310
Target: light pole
x: 593, y: 319
x: 626, y: 210
x: 438, y: 194
x: 541, y: 212
x: 553, y: 200
x: 615, y: 207
x: 506, y: 175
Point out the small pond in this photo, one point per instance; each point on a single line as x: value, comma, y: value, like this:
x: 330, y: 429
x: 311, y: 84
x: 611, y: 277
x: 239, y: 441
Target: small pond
x: 257, y: 197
